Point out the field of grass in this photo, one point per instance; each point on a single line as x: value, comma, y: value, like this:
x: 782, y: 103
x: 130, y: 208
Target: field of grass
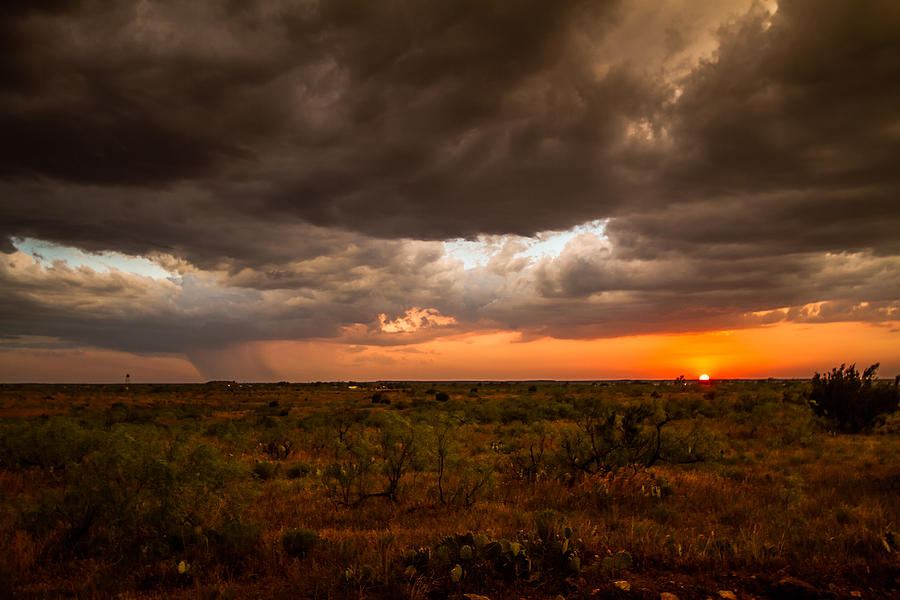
x: 435, y: 490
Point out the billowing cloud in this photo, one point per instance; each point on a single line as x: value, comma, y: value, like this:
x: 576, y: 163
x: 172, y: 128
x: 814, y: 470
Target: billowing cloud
x: 296, y: 166
x: 415, y: 319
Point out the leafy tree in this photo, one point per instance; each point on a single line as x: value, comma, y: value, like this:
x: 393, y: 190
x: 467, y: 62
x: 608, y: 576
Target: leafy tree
x: 853, y: 402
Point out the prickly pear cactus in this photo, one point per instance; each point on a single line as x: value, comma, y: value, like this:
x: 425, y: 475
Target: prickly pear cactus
x: 473, y: 560
x: 621, y: 560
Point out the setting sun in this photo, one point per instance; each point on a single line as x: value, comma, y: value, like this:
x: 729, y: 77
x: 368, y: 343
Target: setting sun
x: 704, y: 377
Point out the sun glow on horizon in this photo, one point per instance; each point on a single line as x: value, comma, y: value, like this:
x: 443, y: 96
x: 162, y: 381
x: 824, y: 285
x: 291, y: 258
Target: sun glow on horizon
x: 784, y: 350
x: 704, y: 377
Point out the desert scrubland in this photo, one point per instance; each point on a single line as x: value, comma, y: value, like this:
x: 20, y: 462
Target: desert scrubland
x: 436, y: 490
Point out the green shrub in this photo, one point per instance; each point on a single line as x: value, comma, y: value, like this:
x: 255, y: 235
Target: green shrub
x: 136, y: 497
x: 298, y: 470
x: 235, y: 541
x: 53, y: 444
x: 236, y: 433
x: 348, y: 481
x: 264, y: 470
x: 853, y: 402
x: 608, y: 436
x: 299, y: 542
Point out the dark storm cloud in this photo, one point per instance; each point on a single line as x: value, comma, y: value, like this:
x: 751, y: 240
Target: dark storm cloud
x: 795, y: 127
x: 283, y: 157
x: 806, y: 99
x: 430, y: 119
x: 780, y: 187
x: 769, y: 224
x: 187, y: 223
x: 406, y: 118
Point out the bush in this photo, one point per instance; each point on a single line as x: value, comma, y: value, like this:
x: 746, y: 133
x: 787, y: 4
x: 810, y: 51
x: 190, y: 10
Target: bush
x: 608, y: 437
x: 853, y: 402
x: 136, y: 498
x: 298, y: 470
x: 264, y: 470
x: 53, y: 444
x: 235, y: 542
x: 380, y: 398
x: 299, y: 542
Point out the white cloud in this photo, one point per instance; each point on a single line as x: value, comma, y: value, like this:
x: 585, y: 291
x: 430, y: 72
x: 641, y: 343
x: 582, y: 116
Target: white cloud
x: 545, y: 244
x: 415, y: 319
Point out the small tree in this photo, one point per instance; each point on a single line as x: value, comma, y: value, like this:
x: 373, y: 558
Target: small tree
x: 608, y: 437
x: 399, y: 453
x: 853, y: 402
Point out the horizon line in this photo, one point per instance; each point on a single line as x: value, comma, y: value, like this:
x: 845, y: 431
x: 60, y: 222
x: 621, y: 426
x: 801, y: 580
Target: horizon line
x: 413, y: 381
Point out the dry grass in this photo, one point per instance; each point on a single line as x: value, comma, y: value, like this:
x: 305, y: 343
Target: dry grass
x: 780, y: 494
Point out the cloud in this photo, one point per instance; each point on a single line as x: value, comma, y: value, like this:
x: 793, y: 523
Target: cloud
x: 203, y: 309
x: 414, y: 319
x: 297, y: 165
x: 206, y: 131
x: 412, y: 119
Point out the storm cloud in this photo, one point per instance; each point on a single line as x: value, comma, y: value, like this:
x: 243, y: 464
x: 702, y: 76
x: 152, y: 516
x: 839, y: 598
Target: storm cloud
x: 296, y: 166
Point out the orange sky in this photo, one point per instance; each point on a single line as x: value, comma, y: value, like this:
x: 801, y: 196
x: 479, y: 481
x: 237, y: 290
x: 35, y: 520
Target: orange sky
x: 784, y: 350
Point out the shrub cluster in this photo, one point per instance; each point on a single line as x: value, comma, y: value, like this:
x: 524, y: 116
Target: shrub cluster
x: 299, y: 542
x: 125, y: 492
x: 854, y: 402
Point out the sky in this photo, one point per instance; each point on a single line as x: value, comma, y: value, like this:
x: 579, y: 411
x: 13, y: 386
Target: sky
x: 322, y: 190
